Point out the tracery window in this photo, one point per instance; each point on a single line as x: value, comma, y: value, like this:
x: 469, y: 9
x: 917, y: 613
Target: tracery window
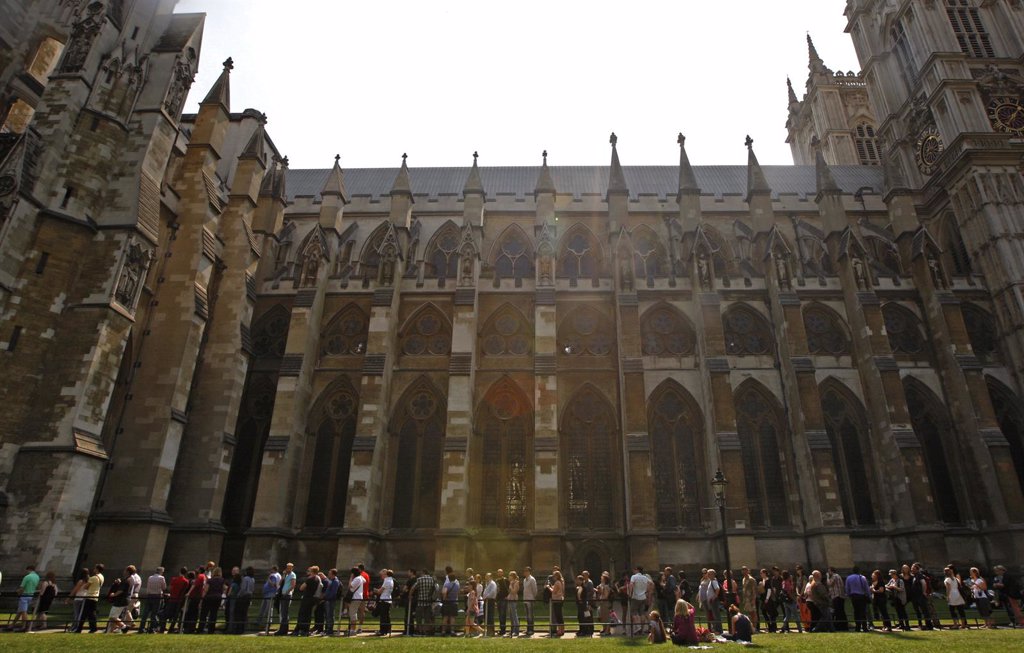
x: 675, y: 426
x: 904, y: 54
x: 847, y: 431
x: 588, y: 431
x: 664, y: 332
x: 904, y: 330
x: 930, y: 421
x: 970, y: 32
x: 270, y: 333
x: 759, y: 428
x: 506, y: 423
x: 371, y: 251
x: 958, y: 252
x: 981, y: 329
x: 825, y: 332
x: 427, y: 334
x: 335, y: 428
x: 586, y: 332
x: 746, y: 332
x: 650, y: 261
x: 867, y: 145
x: 507, y: 334
x: 345, y: 335
x: 443, y: 258
x: 251, y: 431
x: 1007, y: 408
x: 420, y: 430
x: 514, y: 259
x: 579, y: 258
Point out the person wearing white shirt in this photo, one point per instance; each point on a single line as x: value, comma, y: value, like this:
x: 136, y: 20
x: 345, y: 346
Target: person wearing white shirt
x: 490, y: 596
x: 355, y: 585
x: 384, y: 595
x: 639, y: 583
x: 529, y: 596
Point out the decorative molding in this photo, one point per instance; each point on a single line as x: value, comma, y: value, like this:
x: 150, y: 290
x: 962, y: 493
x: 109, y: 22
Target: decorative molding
x: 179, y: 416
x: 382, y: 297
x: 886, y: 364
x: 277, y: 443
x: 465, y: 296
x: 969, y: 362
x: 710, y: 299
x: 728, y: 441
x: 545, y: 444
x: 638, y: 442
x: 906, y: 439
x: 817, y: 440
x: 460, y: 364
x: 993, y: 437
x: 717, y: 364
x: 364, y: 443
x: 545, y: 297
x: 291, y: 365
x: 632, y: 365
x: 544, y: 364
x: 868, y: 299
x: 802, y: 364
x: 373, y: 364
x: 457, y: 444
x: 304, y: 298
x: 628, y: 299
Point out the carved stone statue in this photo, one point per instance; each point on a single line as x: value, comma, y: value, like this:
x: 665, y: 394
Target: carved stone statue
x: 545, y: 269
x: 704, y: 271
x: 782, y: 272
x: 310, y: 269
x: 935, y: 268
x: 625, y: 271
x: 136, y: 261
x: 82, y: 36
x: 860, y: 274
x: 387, y: 266
x: 466, y: 269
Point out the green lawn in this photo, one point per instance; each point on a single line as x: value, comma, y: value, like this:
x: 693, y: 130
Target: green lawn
x: 980, y: 640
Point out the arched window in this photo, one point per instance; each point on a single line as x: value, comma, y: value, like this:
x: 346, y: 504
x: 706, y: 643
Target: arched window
x: 514, y: 255
x: 588, y: 430
x: 1007, y: 407
x: 746, y: 332
x: 867, y: 145
x: 580, y: 255
x: 270, y: 333
x: 665, y: 332
x: 442, y: 254
x: 847, y: 432
x: 759, y: 428
x: 586, y: 332
x: 981, y: 329
x: 649, y: 258
x: 251, y: 431
x: 676, y: 426
x: 427, y: 333
x: 930, y: 421
x: 904, y: 331
x: 506, y: 424
x: 957, y: 250
x: 507, y: 333
x: 826, y: 333
x: 370, y: 260
x: 335, y: 429
x: 420, y: 430
x: 346, y: 334
x: 970, y: 32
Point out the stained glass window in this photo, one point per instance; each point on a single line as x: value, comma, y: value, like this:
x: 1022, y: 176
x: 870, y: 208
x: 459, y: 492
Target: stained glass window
x: 515, y: 256
x: 981, y: 329
x: 664, y: 332
x: 676, y: 426
x: 505, y: 422
x: 579, y: 258
x: 759, y: 427
x: 270, y: 333
x: 254, y: 415
x: 335, y: 428
x: 443, y: 258
x: 825, y: 332
x: 847, y: 431
x: 427, y: 335
x: 585, y: 332
x: 346, y: 334
x: 930, y: 421
x: 1011, y: 422
x: 420, y: 429
x: 904, y: 330
x: 507, y: 334
x: 649, y: 258
x: 588, y: 431
x: 746, y: 332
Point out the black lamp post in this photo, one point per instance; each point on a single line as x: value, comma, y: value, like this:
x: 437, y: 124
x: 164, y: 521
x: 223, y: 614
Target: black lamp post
x: 718, y: 485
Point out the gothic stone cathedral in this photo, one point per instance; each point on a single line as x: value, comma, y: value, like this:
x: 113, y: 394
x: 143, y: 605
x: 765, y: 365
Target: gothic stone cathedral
x: 206, y: 354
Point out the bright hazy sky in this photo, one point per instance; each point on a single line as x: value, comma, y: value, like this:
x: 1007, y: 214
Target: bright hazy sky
x: 375, y: 78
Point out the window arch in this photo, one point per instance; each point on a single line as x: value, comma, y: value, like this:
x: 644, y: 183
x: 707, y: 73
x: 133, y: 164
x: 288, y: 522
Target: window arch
x: 867, y: 145
x: 419, y: 427
x: 930, y: 421
x: 251, y: 431
x: 970, y: 32
x: 759, y: 427
x: 506, y: 426
x: 826, y: 333
x: 904, y: 331
x: 345, y: 335
x: 506, y: 333
x: 747, y: 333
x: 676, y: 428
x: 957, y: 250
x: 426, y: 333
x: 580, y: 256
x: 1008, y: 412
x: 981, y: 329
x: 649, y: 258
x: 585, y: 331
x: 665, y: 332
x: 334, y: 425
x: 513, y: 255
x: 370, y: 259
x: 588, y: 430
x: 442, y: 252
x: 848, y: 434
x: 270, y: 333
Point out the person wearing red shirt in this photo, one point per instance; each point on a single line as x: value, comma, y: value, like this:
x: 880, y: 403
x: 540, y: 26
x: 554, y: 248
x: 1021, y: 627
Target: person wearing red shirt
x: 193, y: 600
x: 366, y: 595
x: 176, y: 591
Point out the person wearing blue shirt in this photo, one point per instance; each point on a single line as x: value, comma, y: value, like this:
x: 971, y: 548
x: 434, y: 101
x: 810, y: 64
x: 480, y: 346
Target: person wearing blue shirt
x: 859, y: 593
x: 330, y: 598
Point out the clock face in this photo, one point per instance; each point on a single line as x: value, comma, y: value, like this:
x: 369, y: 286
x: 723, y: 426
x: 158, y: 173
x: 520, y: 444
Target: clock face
x: 7, y: 185
x: 929, y: 150
x: 1007, y: 115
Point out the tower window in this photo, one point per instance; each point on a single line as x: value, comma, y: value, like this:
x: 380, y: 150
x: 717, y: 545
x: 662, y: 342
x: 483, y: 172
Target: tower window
x: 905, y: 57
x: 867, y: 145
x: 970, y: 32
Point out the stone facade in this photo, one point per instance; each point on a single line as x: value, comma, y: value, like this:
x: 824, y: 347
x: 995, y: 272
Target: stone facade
x: 210, y: 355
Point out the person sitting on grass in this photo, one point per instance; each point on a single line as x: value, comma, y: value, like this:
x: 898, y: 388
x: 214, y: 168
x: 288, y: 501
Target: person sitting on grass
x: 684, y: 631
x: 742, y: 628
x: 656, y: 634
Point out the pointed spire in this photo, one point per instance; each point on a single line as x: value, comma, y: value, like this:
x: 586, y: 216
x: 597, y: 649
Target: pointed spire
x: 473, y: 183
x: 402, y: 185
x: 687, y: 179
x: 220, y: 92
x: 545, y: 184
x: 335, y: 183
x: 255, y: 148
x: 814, y: 63
x: 792, y: 94
x: 756, y: 182
x: 616, y: 179
x: 825, y: 181
x: 274, y: 181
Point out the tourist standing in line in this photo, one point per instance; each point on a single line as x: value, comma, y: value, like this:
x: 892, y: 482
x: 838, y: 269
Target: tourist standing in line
x: 857, y: 589
x: 979, y: 592
x: 450, y: 591
x: 47, y: 593
x: 502, y: 599
x: 246, y: 588
x: 134, y: 587
x: 557, y: 602
x: 490, y: 596
x: 714, y: 602
x: 529, y: 596
x: 897, y: 591
x: 309, y: 588
x: 171, y: 620
x: 819, y: 603
x: 330, y: 595
x: 77, y: 595
x: 156, y: 587
x: 513, y: 603
x: 605, y: 592
x: 356, y: 582
x: 749, y: 591
x: 287, y: 589
x: 666, y: 592
x: 801, y: 582
x: 409, y: 599
x: 194, y: 600
x: 92, y: 599
x: 385, y: 594
x: 790, y: 607
x: 213, y: 596
x: 954, y: 598
x: 472, y: 628
x: 1008, y: 587
x: 26, y: 592
x: 425, y: 591
x: 879, y: 600
x: 268, y: 597
x: 638, y: 588
x: 837, y: 595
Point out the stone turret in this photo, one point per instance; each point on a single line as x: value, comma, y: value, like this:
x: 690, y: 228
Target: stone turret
x: 473, y: 197
x: 401, y: 197
x: 688, y: 194
x: 544, y: 193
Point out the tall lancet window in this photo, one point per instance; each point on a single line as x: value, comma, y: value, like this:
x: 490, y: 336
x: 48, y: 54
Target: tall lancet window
x: 506, y: 424
x: 588, y: 429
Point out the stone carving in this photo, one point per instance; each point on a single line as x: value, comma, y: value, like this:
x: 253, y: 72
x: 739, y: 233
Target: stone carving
x: 782, y: 272
x: 181, y: 82
x: 860, y: 274
x: 935, y: 270
x: 466, y: 269
x: 410, y: 252
x: 133, y: 271
x: 388, y: 258
x: 83, y: 33
x: 704, y: 271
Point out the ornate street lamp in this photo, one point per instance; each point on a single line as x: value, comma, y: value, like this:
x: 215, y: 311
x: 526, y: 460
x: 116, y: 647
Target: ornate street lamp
x: 718, y: 485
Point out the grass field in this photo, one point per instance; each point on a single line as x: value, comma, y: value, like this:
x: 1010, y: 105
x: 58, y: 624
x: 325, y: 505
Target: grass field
x: 945, y: 641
